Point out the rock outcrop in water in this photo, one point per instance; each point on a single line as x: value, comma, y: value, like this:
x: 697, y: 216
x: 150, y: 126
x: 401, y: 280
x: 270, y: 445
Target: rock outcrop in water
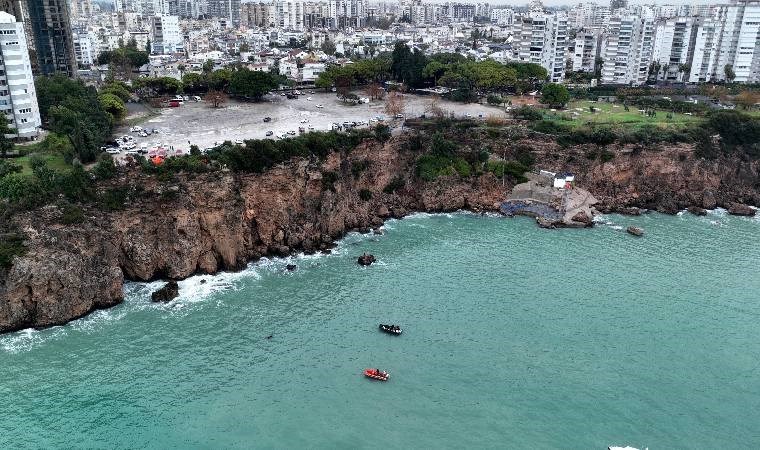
x: 366, y: 259
x: 166, y: 293
x: 738, y: 209
x: 636, y: 231
x: 222, y: 220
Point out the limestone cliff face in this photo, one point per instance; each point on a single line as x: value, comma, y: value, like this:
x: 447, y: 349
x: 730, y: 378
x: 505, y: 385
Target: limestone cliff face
x: 212, y: 222
x: 666, y: 178
x: 220, y: 221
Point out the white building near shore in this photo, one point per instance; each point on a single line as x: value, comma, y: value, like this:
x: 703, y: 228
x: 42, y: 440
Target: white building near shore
x: 18, y: 97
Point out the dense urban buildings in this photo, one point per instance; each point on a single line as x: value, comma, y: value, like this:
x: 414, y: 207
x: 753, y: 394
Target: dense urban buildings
x: 612, y: 43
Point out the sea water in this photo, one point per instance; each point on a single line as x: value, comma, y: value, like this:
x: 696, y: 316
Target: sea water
x: 514, y: 337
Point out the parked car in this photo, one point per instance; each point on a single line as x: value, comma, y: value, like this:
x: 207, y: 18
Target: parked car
x: 304, y: 120
x: 292, y: 132
x: 143, y: 134
x: 267, y: 119
x: 311, y: 92
x: 308, y: 98
x: 270, y: 133
x: 320, y: 106
x: 131, y: 151
x: 112, y: 151
x: 135, y: 129
x: 399, y: 116
x: 196, y: 98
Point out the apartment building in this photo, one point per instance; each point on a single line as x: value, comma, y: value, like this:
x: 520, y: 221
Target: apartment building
x: 628, y: 46
x: 18, y: 97
x: 674, y: 48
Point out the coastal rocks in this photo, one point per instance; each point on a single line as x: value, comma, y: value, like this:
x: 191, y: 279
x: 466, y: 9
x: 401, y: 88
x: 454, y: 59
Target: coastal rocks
x: 697, y: 211
x: 290, y: 267
x: 636, y: 231
x: 583, y: 218
x: 739, y: 209
x: 366, y: 259
x: 167, y: 293
x: 543, y: 222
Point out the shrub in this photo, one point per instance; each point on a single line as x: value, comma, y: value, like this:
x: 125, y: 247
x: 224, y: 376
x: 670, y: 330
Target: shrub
x: 462, y: 167
x: 511, y: 169
x: 365, y: 194
x: 549, y: 127
x: 11, y: 245
x: 527, y: 113
x: 442, y: 146
x: 382, y: 132
x: 494, y: 99
x: 394, y: 185
x: 607, y: 155
x: 358, y: 167
x: 114, y: 198
x: 328, y: 181
x: 8, y: 167
x: 72, y: 214
x: 105, y: 168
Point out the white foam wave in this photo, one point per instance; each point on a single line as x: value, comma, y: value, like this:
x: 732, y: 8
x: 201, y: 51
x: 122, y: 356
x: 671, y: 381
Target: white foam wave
x: 26, y: 340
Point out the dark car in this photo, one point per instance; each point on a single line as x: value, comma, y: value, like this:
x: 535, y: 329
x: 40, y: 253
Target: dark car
x: 267, y: 119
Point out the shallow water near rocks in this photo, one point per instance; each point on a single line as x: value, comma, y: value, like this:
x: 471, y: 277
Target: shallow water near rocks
x: 514, y: 337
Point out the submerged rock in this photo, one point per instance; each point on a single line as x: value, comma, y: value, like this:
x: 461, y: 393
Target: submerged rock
x: 366, y: 259
x: 697, y: 211
x: 739, y: 209
x: 290, y: 267
x: 636, y: 231
x: 167, y: 293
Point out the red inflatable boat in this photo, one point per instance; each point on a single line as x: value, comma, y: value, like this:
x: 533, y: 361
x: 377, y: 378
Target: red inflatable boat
x: 376, y: 374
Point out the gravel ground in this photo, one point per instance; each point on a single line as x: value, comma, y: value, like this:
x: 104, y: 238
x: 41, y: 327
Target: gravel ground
x: 204, y: 126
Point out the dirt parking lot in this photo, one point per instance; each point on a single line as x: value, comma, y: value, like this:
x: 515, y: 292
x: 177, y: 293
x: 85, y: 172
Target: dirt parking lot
x: 200, y: 124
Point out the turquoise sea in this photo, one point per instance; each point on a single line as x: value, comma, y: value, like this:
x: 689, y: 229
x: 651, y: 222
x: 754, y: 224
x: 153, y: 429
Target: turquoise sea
x: 514, y: 337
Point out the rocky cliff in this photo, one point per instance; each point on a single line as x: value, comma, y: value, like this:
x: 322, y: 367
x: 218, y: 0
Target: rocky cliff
x: 221, y: 220
x: 211, y: 222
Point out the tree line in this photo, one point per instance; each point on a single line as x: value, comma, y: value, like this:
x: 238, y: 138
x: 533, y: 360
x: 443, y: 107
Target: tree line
x: 466, y: 77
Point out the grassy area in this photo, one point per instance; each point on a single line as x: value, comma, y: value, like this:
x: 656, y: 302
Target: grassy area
x: 55, y: 162
x: 578, y: 113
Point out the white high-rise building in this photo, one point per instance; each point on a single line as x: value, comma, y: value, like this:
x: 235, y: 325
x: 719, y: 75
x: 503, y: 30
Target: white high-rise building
x: 628, y: 46
x: 731, y: 37
x: 674, y: 48
x: 541, y: 38
x: 84, y: 49
x: 166, y: 35
x: 706, y: 50
x: 18, y: 97
x: 288, y: 14
x: 502, y: 16
x: 347, y: 13
x: 586, y: 49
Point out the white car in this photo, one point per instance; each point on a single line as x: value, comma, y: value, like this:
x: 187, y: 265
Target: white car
x: 308, y: 98
x: 320, y: 106
x: 131, y: 152
x: 143, y: 134
x: 292, y: 132
x: 311, y: 127
x: 135, y: 129
x: 112, y: 151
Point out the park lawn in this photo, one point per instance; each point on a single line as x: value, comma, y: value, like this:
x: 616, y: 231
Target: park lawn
x: 54, y: 161
x: 615, y: 114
